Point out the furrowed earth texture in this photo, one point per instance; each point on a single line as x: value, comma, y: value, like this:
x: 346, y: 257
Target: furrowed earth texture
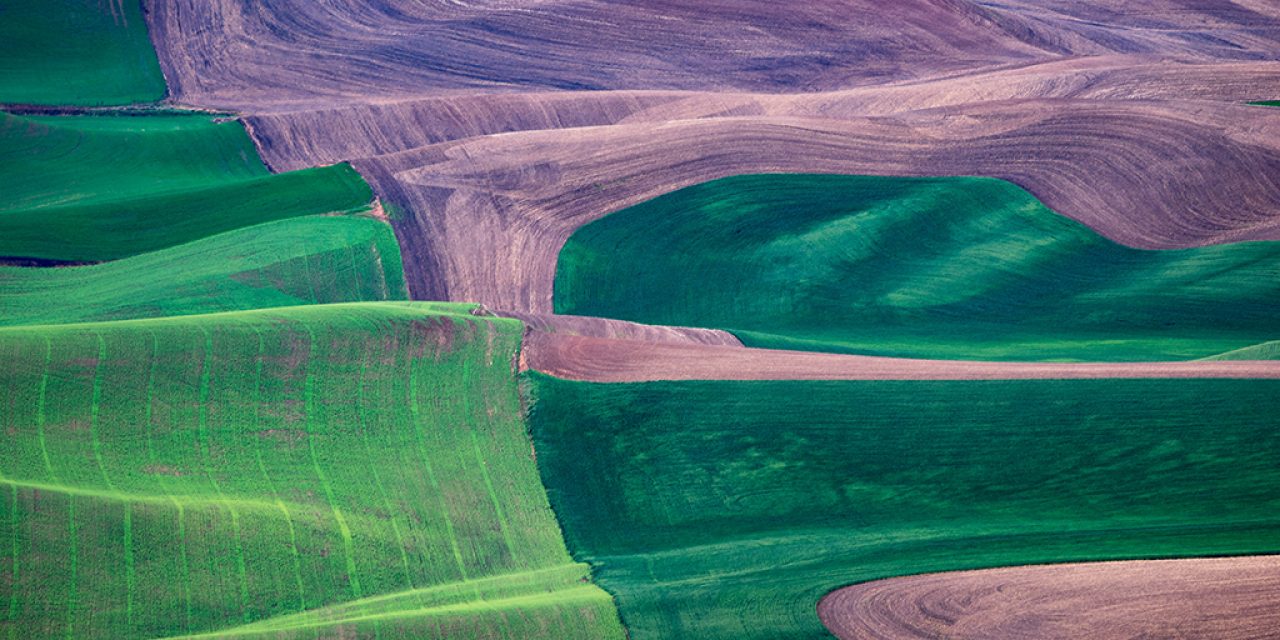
x: 580, y: 319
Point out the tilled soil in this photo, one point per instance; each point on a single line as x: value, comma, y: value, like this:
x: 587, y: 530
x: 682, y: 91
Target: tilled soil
x: 604, y: 359
x: 1206, y: 599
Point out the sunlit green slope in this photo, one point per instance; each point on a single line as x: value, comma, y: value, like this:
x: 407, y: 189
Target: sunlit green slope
x: 91, y: 188
x: 917, y: 267
x: 335, y: 471
x: 316, y: 259
x: 727, y: 509
x: 76, y: 52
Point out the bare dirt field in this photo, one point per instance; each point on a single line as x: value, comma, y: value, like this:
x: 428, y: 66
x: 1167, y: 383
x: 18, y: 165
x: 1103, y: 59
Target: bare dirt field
x: 494, y: 130
x: 607, y: 359
x: 237, y: 55
x: 1208, y: 599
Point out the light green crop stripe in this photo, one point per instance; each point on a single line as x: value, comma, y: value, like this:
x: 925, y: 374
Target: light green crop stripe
x: 309, y: 405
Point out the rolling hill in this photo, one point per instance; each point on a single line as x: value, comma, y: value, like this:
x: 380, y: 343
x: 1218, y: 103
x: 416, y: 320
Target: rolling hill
x: 958, y: 268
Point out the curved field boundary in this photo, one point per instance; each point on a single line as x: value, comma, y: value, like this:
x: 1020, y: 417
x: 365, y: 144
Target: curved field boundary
x: 596, y: 359
x: 727, y: 509
x: 103, y: 187
x: 512, y: 200
x: 489, y: 166
x: 1208, y: 599
x: 952, y: 268
x: 306, y: 260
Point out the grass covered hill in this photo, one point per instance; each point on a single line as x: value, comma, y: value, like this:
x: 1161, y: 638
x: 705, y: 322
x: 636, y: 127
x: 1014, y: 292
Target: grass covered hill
x: 335, y: 470
x: 964, y: 268
x: 310, y: 260
x: 103, y: 187
x: 77, y: 52
x: 727, y: 509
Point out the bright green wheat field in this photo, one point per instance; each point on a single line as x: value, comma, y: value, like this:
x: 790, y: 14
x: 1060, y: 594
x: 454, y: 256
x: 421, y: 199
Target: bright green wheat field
x: 962, y: 268
x: 337, y: 470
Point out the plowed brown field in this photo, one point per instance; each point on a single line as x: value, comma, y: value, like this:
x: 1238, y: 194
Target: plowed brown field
x: 470, y: 119
x: 606, y: 359
x: 493, y: 129
x: 1207, y: 599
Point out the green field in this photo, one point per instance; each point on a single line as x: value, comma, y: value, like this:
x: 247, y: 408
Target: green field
x: 727, y: 509
x: 76, y: 52
x: 323, y: 471
x: 316, y: 259
x: 1267, y: 103
x: 271, y: 471
x: 915, y: 267
x: 92, y: 188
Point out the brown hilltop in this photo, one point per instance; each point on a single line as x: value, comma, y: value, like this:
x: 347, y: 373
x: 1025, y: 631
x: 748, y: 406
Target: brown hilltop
x: 470, y: 120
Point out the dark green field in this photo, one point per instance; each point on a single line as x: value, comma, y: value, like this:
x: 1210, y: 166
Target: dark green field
x: 727, y: 509
x: 918, y: 267
x: 90, y: 188
x: 1267, y: 103
x: 76, y: 52
x: 367, y: 464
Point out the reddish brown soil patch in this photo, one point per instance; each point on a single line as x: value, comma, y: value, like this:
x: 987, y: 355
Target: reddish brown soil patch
x: 1219, y: 599
x: 612, y: 360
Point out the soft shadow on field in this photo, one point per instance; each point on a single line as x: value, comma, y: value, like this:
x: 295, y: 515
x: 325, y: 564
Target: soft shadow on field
x: 951, y: 268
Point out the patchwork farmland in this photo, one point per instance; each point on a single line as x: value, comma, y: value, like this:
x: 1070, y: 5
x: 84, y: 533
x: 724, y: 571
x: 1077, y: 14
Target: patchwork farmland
x: 581, y: 319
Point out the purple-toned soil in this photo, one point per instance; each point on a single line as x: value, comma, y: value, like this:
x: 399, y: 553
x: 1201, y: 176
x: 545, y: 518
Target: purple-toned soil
x: 495, y: 129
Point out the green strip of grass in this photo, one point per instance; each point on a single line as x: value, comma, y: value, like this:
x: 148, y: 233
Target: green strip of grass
x: 76, y: 52
x: 310, y: 260
x: 330, y: 470
x: 94, y: 188
x: 727, y: 509
x: 915, y: 267
x: 1266, y: 103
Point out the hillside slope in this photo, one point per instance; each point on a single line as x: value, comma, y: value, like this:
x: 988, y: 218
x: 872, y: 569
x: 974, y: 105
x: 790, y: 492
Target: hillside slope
x: 960, y: 268
x: 334, y: 470
x: 102, y: 187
